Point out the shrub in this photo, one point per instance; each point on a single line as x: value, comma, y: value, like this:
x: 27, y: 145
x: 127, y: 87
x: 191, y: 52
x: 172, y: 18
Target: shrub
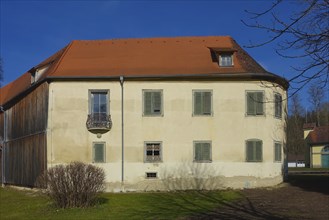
x: 74, y: 185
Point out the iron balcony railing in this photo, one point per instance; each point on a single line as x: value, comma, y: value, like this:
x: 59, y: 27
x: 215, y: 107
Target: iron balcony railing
x: 99, y: 121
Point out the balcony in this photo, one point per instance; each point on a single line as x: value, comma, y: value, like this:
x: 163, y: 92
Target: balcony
x: 99, y: 123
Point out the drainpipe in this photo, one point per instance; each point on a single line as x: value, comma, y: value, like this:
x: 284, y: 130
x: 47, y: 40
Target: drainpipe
x: 122, y: 136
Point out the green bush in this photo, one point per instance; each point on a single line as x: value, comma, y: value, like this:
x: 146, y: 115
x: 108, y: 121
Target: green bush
x: 73, y: 185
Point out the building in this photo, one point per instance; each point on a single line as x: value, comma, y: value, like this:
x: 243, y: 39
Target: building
x: 155, y: 113
x: 317, y: 139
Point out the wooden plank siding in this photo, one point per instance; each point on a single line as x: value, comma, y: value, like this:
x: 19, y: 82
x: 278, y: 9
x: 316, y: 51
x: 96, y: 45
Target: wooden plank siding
x: 1, y: 141
x: 25, y: 138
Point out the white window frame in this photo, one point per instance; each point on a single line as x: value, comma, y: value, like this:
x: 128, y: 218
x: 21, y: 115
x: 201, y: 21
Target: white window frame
x: 275, y: 146
x: 211, y: 103
x: 221, y: 62
x: 275, y: 105
x: 104, y: 151
x: 143, y: 104
x: 146, y: 160
x: 210, y: 151
x: 254, y: 159
x: 263, y: 103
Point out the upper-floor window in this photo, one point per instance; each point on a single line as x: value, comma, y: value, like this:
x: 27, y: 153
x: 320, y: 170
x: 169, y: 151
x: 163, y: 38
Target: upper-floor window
x: 277, y: 105
x: 99, y: 102
x: 152, y: 103
x: 202, y: 151
x: 255, y: 103
x: 225, y: 59
x: 99, y: 118
x: 254, y: 150
x: 277, y: 152
x: 99, y: 152
x: 153, y: 152
x: 202, y: 102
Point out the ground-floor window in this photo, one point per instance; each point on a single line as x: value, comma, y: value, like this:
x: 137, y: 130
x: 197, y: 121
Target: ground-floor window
x: 153, y: 152
x: 99, y: 152
x: 202, y: 151
x: 254, y: 150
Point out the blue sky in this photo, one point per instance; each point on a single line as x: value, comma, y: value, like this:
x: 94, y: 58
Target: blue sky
x: 31, y: 31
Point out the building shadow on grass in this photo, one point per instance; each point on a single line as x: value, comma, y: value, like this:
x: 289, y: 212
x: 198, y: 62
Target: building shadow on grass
x: 310, y: 182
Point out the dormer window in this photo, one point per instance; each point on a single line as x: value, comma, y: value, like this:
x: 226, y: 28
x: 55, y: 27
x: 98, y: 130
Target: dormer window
x: 222, y: 56
x: 36, y: 73
x: 226, y: 59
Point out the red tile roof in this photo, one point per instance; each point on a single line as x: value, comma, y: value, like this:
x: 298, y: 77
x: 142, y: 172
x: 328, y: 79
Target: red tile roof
x: 148, y: 57
x: 320, y: 135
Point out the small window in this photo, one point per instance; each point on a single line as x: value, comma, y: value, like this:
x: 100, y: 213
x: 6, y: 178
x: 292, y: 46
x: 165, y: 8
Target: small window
x: 277, y: 152
x: 202, y: 103
x: 277, y: 105
x: 255, y: 103
x: 99, y: 152
x: 151, y: 175
x: 202, y: 151
x: 254, y: 151
x: 153, y: 152
x: 152, y: 102
x: 226, y: 60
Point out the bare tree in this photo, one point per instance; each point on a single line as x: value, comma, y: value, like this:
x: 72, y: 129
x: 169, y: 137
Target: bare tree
x: 316, y: 95
x: 304, y: 35
x: 295, y: 134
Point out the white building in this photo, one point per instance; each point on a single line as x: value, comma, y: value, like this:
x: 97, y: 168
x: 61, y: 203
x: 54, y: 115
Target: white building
x: 156, y: 114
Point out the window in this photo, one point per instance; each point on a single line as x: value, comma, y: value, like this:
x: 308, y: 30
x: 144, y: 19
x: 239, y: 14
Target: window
x: 152, y: 100
x: 151, y: 175
x: 225, y: 59
x: 202, y: 102
x: 254, y: 151
x: 98, y: 100
x: 277, y: 105
x: 277, y: 151
x: 202, y: 151
x: 153, y: 152
x: 255, y: 103
x: 99, y: 152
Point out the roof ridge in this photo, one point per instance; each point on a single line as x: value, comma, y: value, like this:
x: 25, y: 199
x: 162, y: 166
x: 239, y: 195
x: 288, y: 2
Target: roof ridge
x: 156, y: 38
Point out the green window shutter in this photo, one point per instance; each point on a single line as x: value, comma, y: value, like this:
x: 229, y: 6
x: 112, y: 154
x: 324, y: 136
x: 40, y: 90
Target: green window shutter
x: 250, y: 153
x: 197, y: 103
x: 147, y: 103
x: 259, y: 103
x: 156, y: 102
x: 254, y: 151
x: 278, y: 106
x: 99, y: 153
x: 206, y: 103
x: 258, y: 149
x: 251, y: 108
x: 206, y: 151
x: 277, y: 150
x: 202, y: 151
x: 198, y: 151
x: 202, y: 103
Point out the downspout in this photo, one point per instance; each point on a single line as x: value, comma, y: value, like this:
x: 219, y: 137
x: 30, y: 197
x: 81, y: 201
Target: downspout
x: 122, y: 136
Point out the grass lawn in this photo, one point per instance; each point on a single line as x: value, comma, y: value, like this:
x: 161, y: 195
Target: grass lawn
x: 28, y: 204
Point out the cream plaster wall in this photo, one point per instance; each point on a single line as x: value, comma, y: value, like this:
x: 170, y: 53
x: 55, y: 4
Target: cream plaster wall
x: 316, y: 156
x: 228, y: 129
